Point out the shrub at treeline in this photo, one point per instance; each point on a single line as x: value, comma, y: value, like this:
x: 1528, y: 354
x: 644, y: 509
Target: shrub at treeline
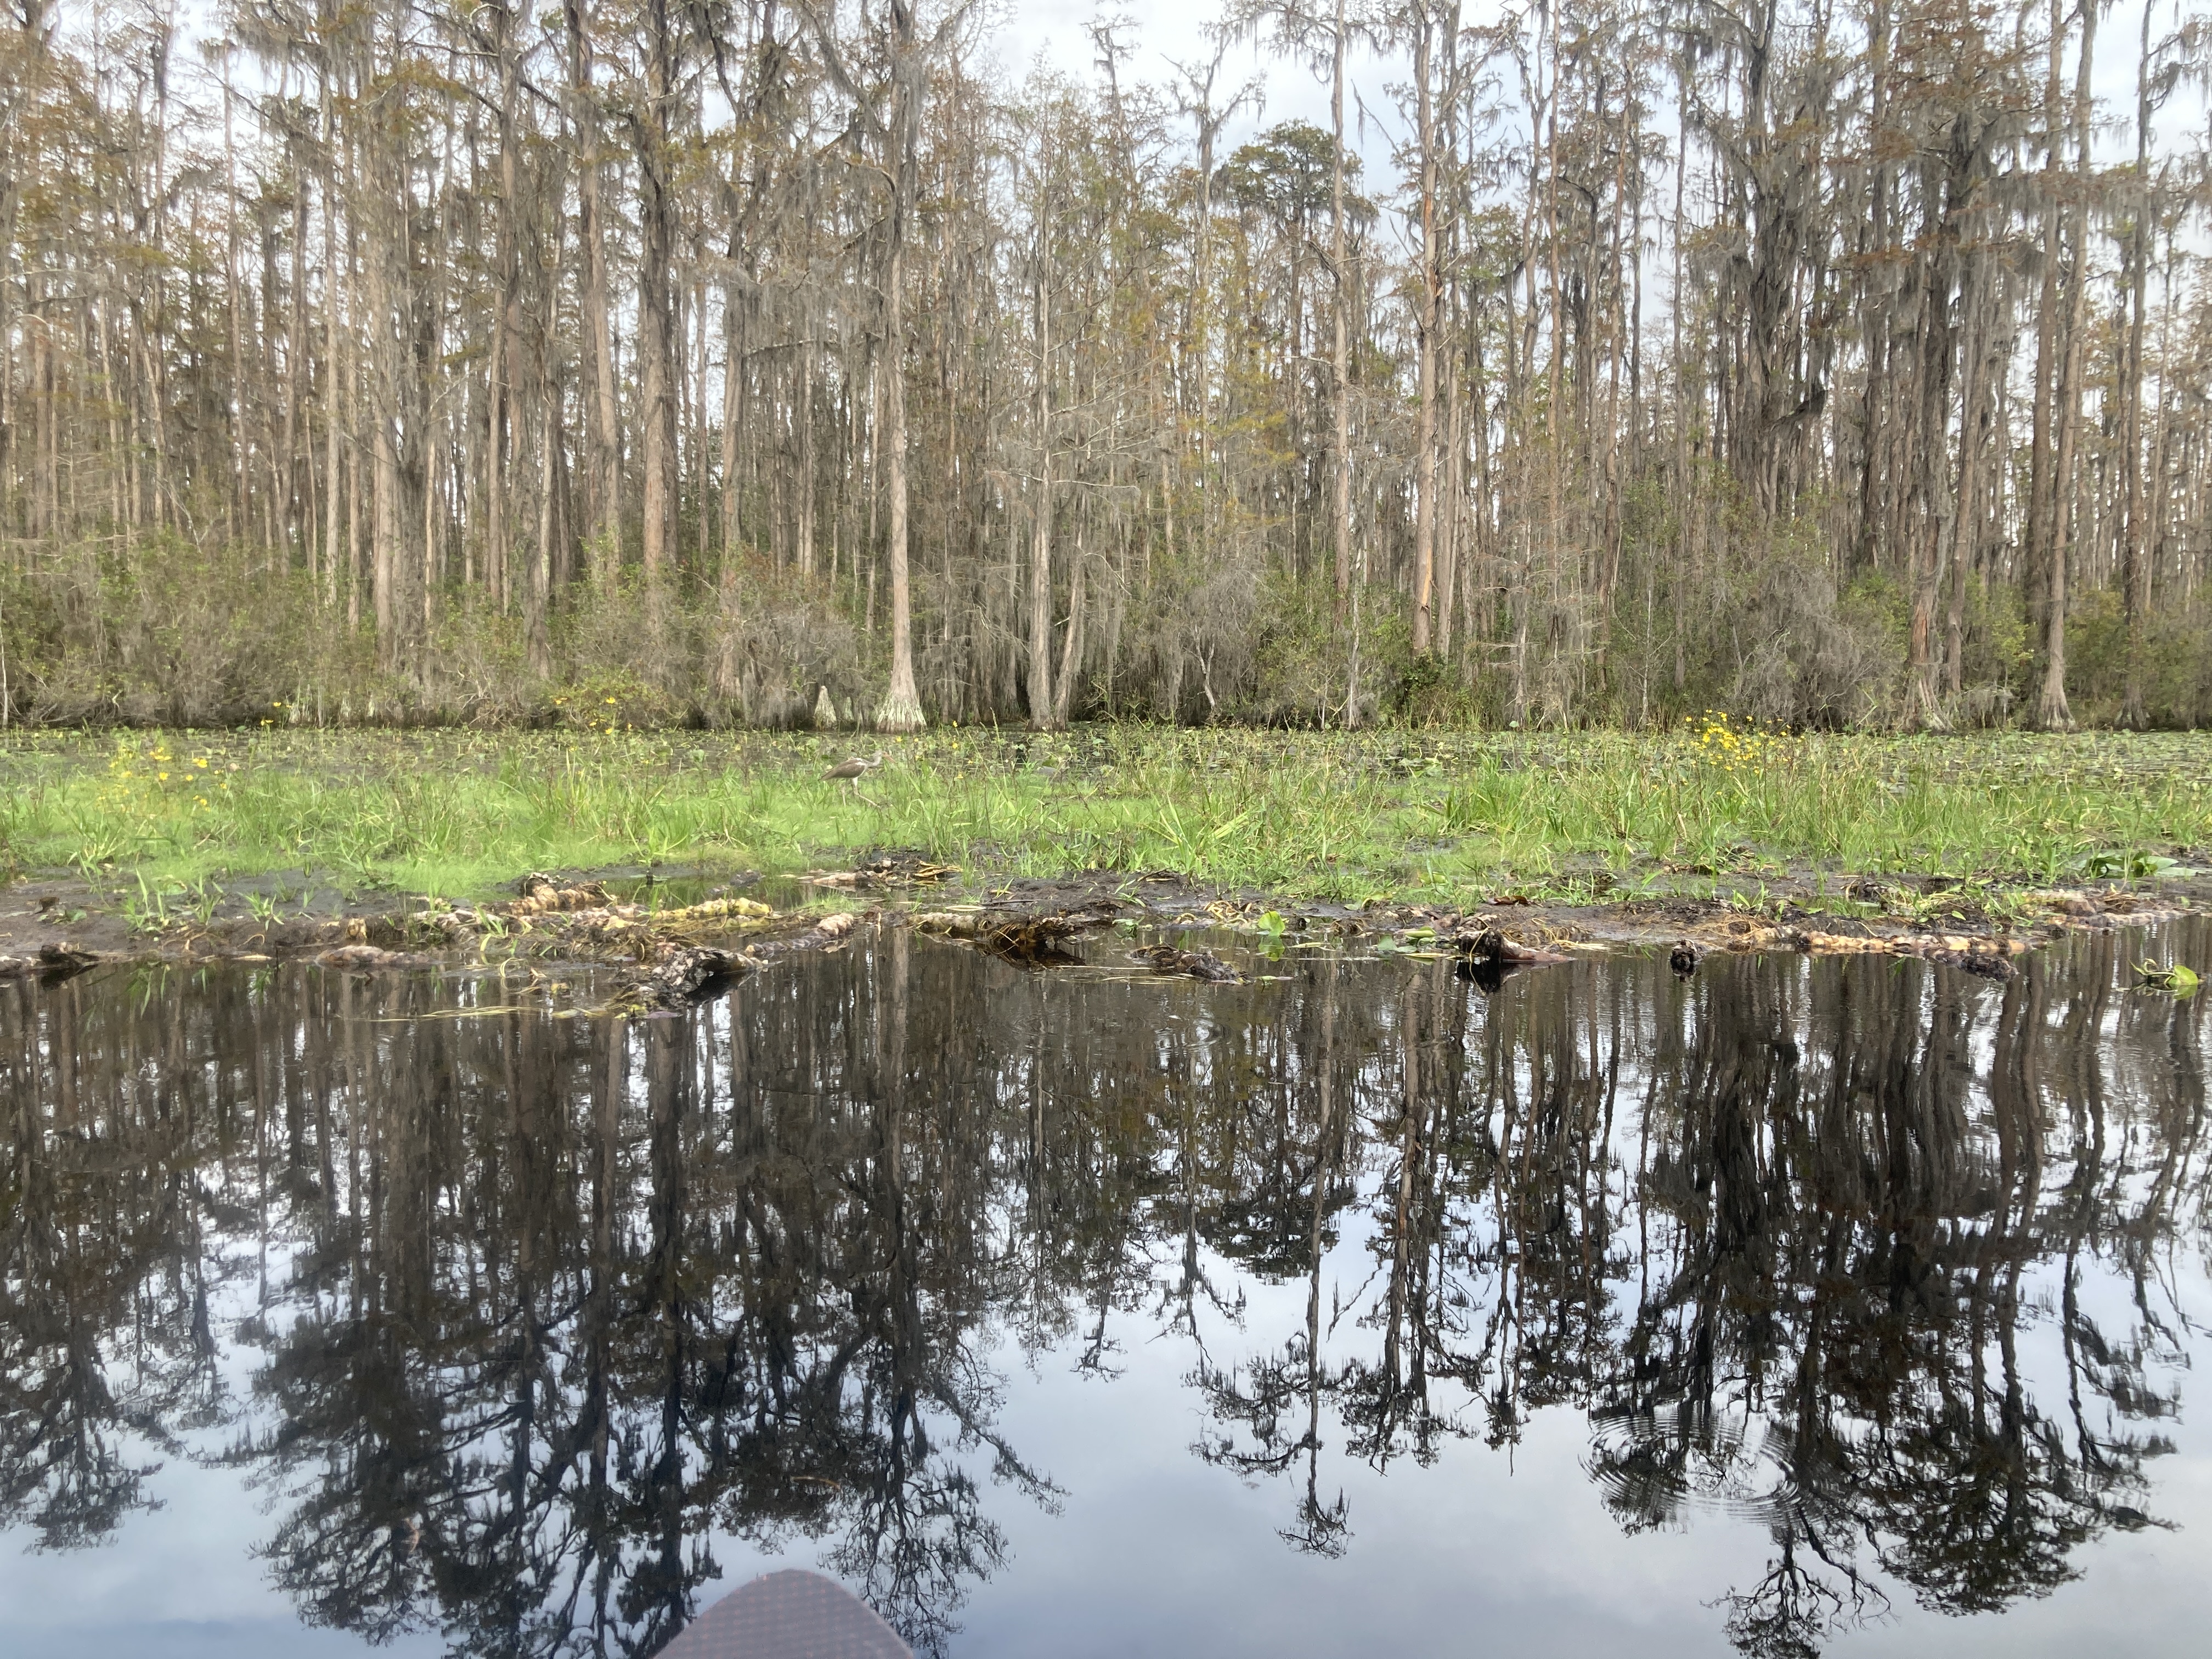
x: 439, y: 362
x: 184, y: 642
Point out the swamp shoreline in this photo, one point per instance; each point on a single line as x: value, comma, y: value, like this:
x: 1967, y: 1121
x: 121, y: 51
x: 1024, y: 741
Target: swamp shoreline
x: 384, y: 850
x: 47, y: 929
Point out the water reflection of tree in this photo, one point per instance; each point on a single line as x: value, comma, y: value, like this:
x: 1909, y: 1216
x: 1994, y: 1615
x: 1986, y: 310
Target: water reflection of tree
x: 547, y: 1304
x: 542, y: 1306
x: 105, y: 1347
x: 1798, y: 1294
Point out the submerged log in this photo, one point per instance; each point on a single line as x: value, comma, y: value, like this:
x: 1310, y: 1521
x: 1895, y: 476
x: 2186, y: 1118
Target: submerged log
x: 1191, y: 965
x: 685, y: 975
x: 1032, y: 939
x: 682, y: 976
x: 538, y: 894
x: 1983, y: 964
x: 891, y: 869
x: 371, y: 959
x: 1490, y: 946
x: 54, y: 962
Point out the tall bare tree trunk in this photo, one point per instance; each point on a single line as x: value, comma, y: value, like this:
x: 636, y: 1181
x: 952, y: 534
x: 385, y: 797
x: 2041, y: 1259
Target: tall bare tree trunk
x: 2041, y: 504
x: 1449, y: 512
x: 500, y: 377
x: 1071, y: 650
x: 1424, y: 441
x: 604, y: 470
x: 657, y: 334
x: 732, y: 381
x: 335, y: 366
x: 537, y: 599
x: 2136, y: 549
x: 1043, y: 711
x: 901, y: 708
x: 2052, y: 711
x: 383, y: 241
x: 805, y: 482
x: 1340, y: 353
x: 1966, y: 517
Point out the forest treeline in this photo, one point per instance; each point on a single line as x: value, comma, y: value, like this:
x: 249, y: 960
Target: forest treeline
x: 758, y: 360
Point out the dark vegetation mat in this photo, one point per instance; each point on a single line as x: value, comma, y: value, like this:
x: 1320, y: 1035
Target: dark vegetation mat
x: 664, y: 956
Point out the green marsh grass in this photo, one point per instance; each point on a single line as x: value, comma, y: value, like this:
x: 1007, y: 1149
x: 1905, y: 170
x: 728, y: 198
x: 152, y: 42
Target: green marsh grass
x: 1406, y: 816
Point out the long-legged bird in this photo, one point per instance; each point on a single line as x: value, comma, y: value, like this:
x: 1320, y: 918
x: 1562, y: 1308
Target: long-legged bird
x: 851, y: 771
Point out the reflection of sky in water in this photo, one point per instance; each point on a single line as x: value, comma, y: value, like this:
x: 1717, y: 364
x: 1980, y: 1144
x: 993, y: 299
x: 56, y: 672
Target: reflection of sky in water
x: 1154, y: 1551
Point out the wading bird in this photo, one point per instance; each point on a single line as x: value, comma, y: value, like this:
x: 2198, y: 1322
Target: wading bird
x: 848, y: 771
x: 851, y: 771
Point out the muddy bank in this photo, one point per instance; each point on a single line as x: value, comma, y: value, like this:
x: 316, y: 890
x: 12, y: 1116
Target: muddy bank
x: 663, y: 955
x: 1979, y: 928
x: 664, y: 951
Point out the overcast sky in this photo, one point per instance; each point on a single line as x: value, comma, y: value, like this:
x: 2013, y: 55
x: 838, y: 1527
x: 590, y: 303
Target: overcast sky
x: 1161, y: 32
x: 1021, y: 34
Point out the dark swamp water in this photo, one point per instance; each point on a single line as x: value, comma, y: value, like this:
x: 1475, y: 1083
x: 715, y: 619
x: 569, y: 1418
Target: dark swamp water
x: 1810, y: 1305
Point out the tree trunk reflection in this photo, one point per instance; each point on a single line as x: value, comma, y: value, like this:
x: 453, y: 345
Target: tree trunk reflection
x: 536, y: 1310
